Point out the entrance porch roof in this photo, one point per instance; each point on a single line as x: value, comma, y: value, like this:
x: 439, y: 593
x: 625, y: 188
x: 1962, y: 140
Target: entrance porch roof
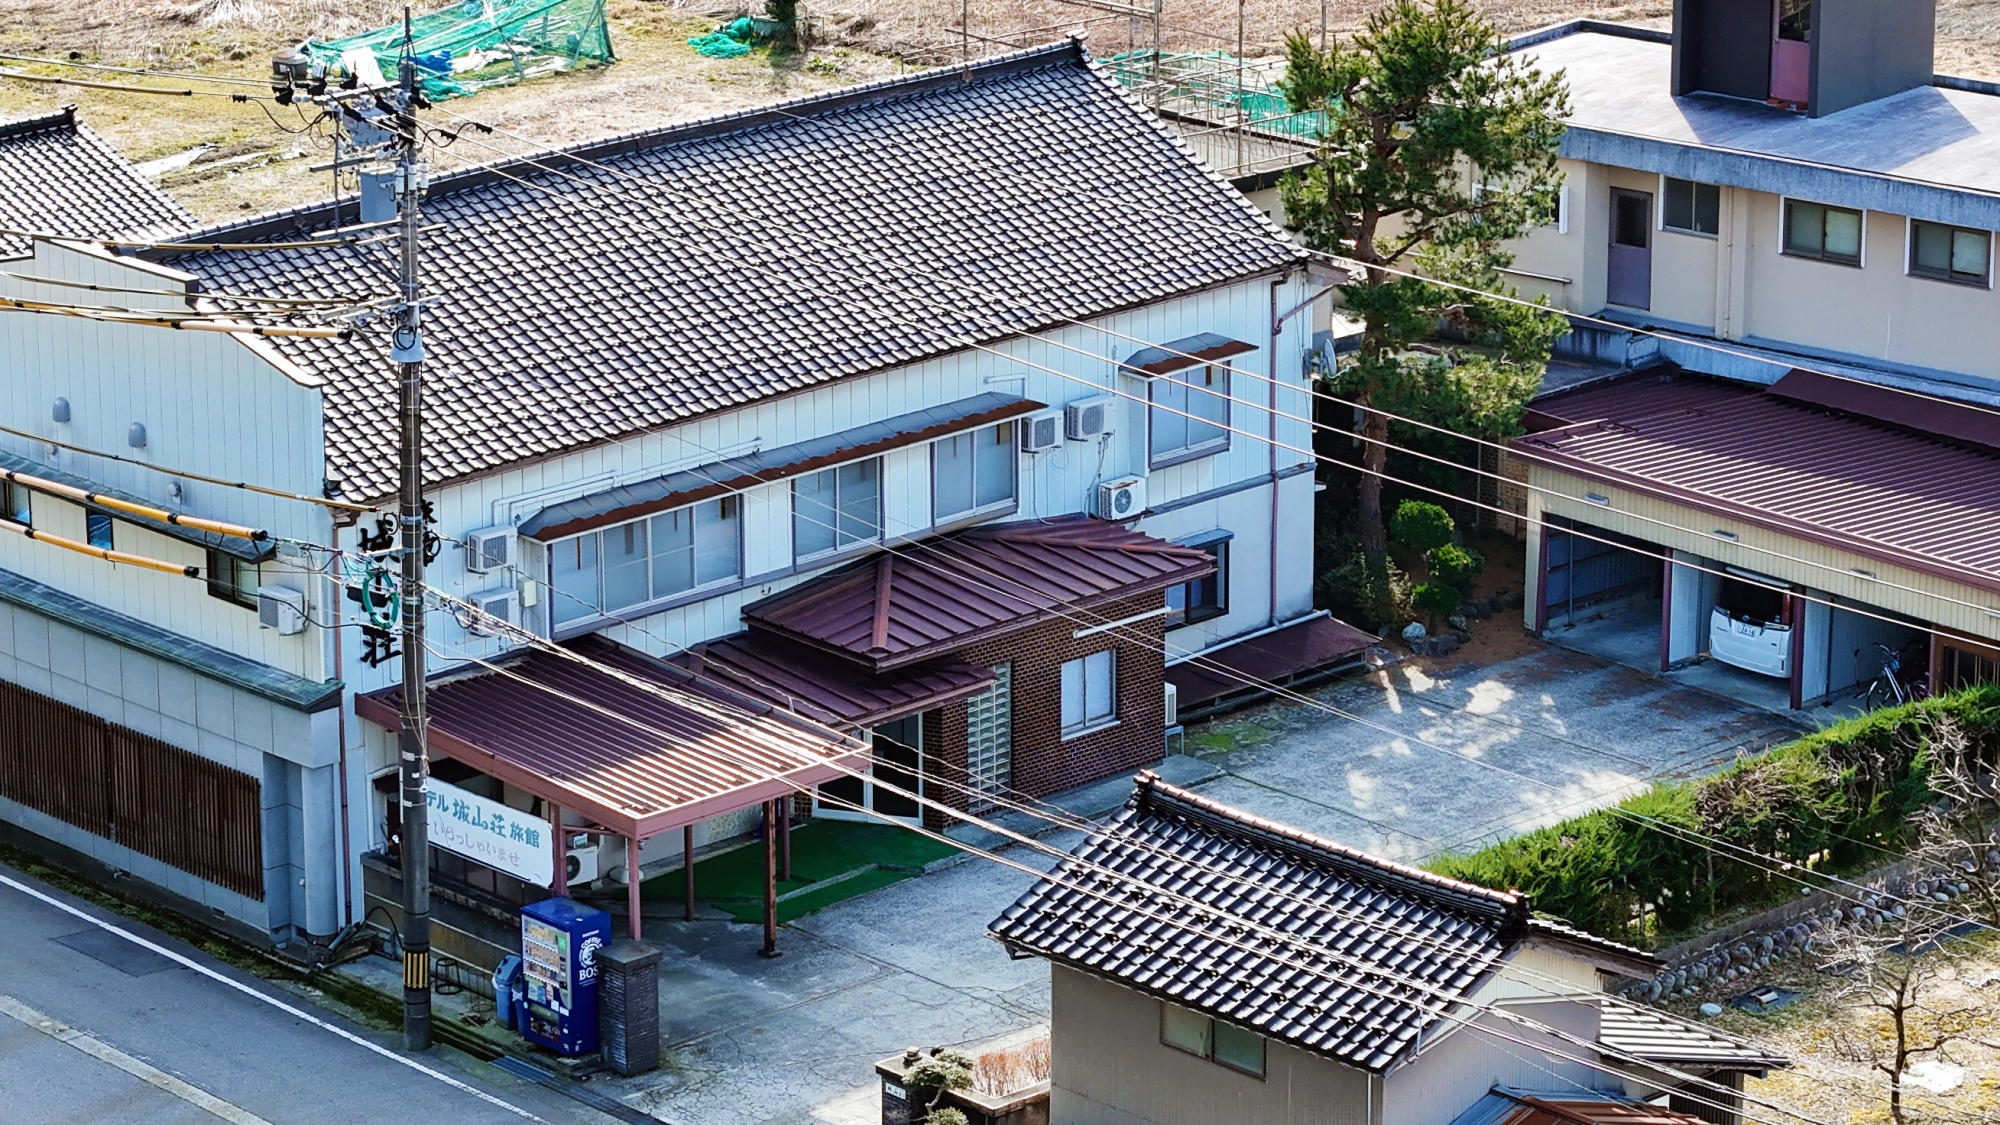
x: 827, y: 689
x: 641, y: 749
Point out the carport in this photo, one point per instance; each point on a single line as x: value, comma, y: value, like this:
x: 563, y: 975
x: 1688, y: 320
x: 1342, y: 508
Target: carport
x: 1786, y: 534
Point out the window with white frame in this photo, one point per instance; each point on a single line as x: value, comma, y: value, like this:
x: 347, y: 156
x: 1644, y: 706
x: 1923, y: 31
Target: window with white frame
x: 1949, y: 253
x: 646, y: 560
x: 1831, y: 234
x: 836, y: 508
x: 973, y: 471
x: 1689, y: 207
x: 1089, y: 693
x: 1189, y: 417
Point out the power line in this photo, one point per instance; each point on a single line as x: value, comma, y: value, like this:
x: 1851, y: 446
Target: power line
x: 227, y: 80
x: 128, y: 88
x: 221, y: 482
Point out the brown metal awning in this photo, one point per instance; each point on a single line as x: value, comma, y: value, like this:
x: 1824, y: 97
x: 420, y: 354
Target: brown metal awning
x: 826, y: 688
x: 585, y: 739
x: 933, y: 597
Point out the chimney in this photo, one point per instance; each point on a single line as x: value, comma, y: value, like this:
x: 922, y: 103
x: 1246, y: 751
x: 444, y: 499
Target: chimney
x: 1819, y: 56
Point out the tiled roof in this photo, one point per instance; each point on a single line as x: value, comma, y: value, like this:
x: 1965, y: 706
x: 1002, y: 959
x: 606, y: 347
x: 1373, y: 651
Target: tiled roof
x: 765, y: 252
x: 1402, y: 923
x: 1745, y: 452
x: 58, y: 176
x: 942, y: 594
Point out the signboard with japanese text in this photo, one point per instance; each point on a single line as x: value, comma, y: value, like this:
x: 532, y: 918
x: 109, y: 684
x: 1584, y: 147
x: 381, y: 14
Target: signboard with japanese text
x: 485, y: 831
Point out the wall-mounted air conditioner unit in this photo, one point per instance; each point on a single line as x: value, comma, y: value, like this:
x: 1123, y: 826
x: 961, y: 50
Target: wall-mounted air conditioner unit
x: 502, y: 604
x: 281, y: 609
x: 1173, y: 704
x: 580, y: 865
x: 489, y: 550
x: 1121, y: 499
x: 1087, y: 418
x: 1041, y: 432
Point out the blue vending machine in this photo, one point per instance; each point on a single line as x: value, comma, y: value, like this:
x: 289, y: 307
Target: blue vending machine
x: 559, y: 943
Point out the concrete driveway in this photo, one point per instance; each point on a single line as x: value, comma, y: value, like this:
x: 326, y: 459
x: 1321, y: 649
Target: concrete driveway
x: 1454, y: 758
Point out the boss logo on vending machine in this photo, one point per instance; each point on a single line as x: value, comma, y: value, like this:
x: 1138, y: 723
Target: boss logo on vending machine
x: 586, y: 959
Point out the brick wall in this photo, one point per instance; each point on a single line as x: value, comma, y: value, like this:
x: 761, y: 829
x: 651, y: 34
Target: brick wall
x: 1043, y: 763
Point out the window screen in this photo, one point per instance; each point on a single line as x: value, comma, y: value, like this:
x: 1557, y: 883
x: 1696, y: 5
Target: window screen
x: 973, y: 470
x: 1949, y: 253
x: 837, y: 508
x: 1190, y: 414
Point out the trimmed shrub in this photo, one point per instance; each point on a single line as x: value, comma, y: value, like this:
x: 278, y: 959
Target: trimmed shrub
x: 1833, y: 801
x: 1421, y: 525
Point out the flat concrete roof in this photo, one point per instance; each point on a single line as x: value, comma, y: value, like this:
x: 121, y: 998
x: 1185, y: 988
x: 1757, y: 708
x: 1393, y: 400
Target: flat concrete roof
x: 1931, y: 153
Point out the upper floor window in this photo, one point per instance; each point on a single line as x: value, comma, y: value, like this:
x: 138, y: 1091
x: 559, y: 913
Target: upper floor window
x: 232, y: 579
x: 973, y: 471
x: 1691, y: 208
x: 1202, y: 598
x: 97, y: 530
x: 1831, y: 234
x: 1234, y: 1047
x: 836, y: 508
x: 1189, y: 416
x: 1089, y: 693
x: 14, y: 503
x: 645, y: 560
x: 1949, y: 253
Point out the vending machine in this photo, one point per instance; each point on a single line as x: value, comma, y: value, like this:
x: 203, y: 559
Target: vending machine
x: 559, y: 943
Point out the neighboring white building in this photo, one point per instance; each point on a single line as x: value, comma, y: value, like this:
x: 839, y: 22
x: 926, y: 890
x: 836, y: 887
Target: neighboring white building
x: 795, y: 342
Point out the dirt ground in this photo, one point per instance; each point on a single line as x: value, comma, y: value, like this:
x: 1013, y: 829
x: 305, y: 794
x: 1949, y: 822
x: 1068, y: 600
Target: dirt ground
x: 1828, y: 1086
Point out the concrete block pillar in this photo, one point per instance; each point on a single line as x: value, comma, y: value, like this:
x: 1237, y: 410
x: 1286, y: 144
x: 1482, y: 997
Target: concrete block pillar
x: 628, y: 1006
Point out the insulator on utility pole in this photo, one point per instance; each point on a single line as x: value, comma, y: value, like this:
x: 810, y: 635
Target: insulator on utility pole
x: 408, y: 352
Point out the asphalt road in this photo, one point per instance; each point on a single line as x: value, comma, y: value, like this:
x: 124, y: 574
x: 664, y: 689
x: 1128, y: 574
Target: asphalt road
x: 97, y: 1027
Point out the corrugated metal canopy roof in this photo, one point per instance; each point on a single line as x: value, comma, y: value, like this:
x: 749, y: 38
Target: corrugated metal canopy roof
x: 1807, y: 470
x: 1506, y: 1106
x: 1656, y: 1037
x: 635, y: 762
x: 942, y: 594
x: 825, y: 688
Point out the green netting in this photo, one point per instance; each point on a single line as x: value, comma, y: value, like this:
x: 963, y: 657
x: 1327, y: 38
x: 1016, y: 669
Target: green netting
x: 732, y: 40
x: 1212, y: 86
x: 470, y: 46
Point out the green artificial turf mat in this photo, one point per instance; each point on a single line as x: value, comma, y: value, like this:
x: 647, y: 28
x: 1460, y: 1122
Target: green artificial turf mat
x: 821, y: 850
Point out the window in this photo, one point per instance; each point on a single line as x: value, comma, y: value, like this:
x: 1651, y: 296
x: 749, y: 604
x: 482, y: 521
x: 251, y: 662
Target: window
x: 644, y: 560
x: 836, y: 508
x: 1233, y: 1047
x: 973, y: 471
x: 14, y: 503
x: 1949, y: 253
x: 1190, y: 414
x: 1831, y: 234
x: 1204, y: 597
x: 97, y: 530
x: 232, y: 579
x: 1088, y: 690
x: 1691, y: 208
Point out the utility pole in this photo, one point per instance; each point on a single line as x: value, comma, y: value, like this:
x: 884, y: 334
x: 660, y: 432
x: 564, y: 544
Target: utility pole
x: 408, y: 353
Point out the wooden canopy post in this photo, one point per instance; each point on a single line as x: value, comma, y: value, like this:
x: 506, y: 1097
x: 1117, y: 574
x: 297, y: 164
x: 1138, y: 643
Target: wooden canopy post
x: 785, y: 838
x: 770, y: 948
x: 561, y: 886
x: 687, y: 870
x: 632, y: 886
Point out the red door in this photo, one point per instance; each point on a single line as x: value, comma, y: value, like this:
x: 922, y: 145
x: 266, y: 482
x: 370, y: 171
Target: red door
x: 1628, y: 275
x: 1791, y: 51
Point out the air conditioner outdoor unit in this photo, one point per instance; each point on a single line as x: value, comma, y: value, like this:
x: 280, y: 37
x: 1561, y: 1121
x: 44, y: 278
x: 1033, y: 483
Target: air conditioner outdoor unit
x: 1121, y: 499
x: 1041, y: 432
x: 1087, y: 418
x: 1173, y: 705
x: 281, y: 609
x: 489, y: 550
x: 503, y: 604
x: 580, y: 866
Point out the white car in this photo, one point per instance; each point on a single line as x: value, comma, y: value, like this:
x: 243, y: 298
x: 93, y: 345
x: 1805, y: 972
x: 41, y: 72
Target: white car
x: 1751, y: 627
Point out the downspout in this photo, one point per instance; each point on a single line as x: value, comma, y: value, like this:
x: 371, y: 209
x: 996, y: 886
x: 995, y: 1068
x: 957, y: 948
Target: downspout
x: 340, y: 719
x: 1271, y: 365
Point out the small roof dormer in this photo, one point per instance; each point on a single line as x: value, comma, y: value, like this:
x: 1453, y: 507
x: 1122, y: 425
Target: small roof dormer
x: 1819, y: 56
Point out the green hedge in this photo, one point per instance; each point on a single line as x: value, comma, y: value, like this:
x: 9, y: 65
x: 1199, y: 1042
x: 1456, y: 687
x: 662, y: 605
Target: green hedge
x: 1831, y: 801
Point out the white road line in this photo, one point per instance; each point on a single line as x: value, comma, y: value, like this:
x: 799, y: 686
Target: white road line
x: 273, y: 1001
x: 143, y: 1071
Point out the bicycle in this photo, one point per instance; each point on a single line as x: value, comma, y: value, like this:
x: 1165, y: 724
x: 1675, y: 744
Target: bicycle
x: 1888, y: 688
